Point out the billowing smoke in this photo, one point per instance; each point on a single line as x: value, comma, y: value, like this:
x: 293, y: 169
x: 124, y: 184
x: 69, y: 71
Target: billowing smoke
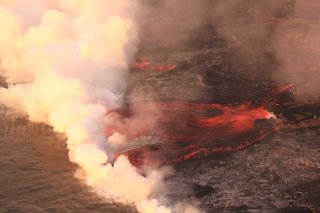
x: 272, y: 39
x: 66, y: 63
x: 297, y: 46
x: 171, y: 23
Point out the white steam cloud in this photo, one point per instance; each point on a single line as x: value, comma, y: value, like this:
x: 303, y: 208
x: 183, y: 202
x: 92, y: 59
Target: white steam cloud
x: 66, y: 62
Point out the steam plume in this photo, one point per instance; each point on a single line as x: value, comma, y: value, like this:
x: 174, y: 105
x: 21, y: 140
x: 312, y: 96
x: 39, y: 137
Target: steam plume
x: 65, y: 62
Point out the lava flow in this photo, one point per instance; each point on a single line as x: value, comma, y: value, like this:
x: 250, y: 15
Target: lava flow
x: 195, y: 130
x: 236, y: 122
x: 185, y: 137
x: 191, y: 130
x: 144, y: 64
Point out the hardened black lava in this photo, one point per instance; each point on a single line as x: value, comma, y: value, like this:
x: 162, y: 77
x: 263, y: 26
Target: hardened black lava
x: 279, y: 174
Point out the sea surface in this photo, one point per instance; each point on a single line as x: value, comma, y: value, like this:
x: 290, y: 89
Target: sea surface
x: 36, y: 175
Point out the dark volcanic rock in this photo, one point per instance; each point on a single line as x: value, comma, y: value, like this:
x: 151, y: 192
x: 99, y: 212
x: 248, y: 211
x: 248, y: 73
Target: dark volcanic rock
x: 200, y: 190
x: 204, y: 75
x: 275, y: 175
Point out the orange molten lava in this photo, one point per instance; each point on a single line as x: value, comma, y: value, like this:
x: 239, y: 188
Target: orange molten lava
x: 194, y: 130
x: 144, y: 63
x: 236, y: 122
x: 186, y: 133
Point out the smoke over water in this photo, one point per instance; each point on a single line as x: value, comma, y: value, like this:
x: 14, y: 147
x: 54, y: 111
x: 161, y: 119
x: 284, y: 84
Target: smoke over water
x: 65, y: 62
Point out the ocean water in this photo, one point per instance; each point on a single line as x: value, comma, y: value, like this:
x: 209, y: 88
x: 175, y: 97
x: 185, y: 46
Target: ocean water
x: 36, y: 175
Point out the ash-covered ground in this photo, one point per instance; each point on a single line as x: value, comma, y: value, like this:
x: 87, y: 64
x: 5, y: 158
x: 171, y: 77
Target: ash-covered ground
x: 279, y: 174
